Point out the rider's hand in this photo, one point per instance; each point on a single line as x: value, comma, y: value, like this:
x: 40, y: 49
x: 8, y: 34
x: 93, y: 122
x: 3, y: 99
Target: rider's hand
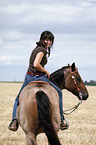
x: 48, y: 74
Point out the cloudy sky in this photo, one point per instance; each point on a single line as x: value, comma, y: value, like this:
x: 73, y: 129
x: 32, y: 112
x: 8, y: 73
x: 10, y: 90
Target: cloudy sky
x: 73, y: 22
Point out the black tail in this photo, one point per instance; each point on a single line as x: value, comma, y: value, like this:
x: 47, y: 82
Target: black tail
x: 45, y: 117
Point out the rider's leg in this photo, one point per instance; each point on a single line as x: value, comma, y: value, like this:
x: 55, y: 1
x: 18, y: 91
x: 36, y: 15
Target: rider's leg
x: 64, y: 123
x: 14, y: 123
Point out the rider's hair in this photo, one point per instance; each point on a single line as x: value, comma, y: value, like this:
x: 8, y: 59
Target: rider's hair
x: 46, y: 35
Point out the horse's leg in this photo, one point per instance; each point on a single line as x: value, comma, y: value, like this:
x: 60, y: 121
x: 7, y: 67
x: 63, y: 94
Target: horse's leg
x: 53, y: 143
x: 30, y: 139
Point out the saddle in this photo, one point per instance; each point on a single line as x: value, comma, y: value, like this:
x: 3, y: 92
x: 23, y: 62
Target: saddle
x: 41, y: 82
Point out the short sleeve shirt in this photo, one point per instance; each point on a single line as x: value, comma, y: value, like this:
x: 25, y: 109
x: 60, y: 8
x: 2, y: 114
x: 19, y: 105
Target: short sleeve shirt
x: 38, y: 49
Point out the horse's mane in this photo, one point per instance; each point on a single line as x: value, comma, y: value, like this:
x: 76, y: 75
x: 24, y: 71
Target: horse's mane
x: 57, y: 76
x: 59, y: 70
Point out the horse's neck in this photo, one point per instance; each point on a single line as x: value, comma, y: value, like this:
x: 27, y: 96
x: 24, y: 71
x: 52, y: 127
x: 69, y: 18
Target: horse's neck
x: 59, y: 78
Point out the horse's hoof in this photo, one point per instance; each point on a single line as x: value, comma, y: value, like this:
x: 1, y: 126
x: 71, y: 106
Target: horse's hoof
x: 13, y: 125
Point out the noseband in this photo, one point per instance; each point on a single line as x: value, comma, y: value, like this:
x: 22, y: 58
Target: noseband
x: 77, y: 88
x: 79, y: 92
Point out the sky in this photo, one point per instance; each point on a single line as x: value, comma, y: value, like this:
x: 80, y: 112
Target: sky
x: 73, y: 23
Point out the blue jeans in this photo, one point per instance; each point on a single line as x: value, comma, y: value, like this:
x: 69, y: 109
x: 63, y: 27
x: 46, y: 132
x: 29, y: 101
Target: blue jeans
x: 28, y: 79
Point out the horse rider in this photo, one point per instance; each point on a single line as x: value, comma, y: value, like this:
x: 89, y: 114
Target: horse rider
x: 36, y: 71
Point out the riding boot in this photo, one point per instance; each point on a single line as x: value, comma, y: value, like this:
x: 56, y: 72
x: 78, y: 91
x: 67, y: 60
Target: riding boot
x: 14, y: 123
x: 64, y: 124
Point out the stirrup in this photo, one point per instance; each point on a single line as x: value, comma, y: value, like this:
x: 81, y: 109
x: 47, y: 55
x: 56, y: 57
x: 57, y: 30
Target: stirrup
x: 13, y: 125
x: 64, y: 126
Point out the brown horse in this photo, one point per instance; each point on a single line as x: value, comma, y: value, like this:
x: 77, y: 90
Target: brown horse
x: 38, y: 109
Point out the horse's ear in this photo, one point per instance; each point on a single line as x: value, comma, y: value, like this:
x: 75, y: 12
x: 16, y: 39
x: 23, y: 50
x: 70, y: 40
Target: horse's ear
x: 73, y: 67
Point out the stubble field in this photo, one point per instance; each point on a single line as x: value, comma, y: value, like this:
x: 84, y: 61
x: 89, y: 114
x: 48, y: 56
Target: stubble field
x: 82, y: 129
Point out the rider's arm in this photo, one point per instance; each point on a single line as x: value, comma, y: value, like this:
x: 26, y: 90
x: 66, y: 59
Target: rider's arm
x: 37, y: 64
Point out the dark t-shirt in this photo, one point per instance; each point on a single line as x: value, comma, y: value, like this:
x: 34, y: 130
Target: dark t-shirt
x: 38, y: 49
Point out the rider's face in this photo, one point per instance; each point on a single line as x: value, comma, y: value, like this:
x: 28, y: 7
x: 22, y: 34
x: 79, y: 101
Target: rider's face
x: 47, y: 42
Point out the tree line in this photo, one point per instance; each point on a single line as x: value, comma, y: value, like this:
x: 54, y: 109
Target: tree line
x: 90, y: 83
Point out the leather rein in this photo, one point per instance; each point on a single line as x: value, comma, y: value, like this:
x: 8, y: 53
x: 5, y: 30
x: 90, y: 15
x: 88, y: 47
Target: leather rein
x: 79, y: 92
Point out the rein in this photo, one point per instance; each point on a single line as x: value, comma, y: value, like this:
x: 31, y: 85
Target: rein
x: 80, y: 95
x: 73, y: 109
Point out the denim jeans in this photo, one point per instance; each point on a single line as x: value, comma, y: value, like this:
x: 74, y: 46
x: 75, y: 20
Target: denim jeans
x: 28, y: 79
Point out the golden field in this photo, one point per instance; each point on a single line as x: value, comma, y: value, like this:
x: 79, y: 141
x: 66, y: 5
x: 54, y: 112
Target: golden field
x: 82, y: 129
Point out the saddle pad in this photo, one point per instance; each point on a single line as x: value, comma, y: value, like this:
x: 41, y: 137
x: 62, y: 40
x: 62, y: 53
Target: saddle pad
x: 42, y: 82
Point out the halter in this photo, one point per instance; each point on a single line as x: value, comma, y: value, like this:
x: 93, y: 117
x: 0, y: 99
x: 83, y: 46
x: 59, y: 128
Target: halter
x: 79, y: 92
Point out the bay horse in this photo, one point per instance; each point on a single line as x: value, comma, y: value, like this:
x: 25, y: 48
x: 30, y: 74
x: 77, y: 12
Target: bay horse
x: 38, y: 109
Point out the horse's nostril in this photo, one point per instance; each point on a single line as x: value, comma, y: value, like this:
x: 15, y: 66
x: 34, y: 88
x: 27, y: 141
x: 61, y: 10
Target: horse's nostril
x: 85, y: 96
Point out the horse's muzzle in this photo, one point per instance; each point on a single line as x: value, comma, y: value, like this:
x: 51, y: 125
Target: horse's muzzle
x: 84, y: 96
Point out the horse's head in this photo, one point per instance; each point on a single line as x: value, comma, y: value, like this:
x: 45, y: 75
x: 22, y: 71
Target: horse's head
x: 74, y: 83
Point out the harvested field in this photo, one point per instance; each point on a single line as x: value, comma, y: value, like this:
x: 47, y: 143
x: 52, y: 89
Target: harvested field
x: 82, y: 130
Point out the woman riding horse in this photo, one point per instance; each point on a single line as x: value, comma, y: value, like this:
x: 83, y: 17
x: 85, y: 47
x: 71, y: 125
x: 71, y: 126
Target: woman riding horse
x: 37, y: 72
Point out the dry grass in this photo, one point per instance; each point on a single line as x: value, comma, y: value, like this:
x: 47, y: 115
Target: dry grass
x: 82, y: 130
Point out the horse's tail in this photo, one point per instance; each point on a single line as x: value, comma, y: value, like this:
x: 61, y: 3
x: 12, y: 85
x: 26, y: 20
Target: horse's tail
x: 45, y: 117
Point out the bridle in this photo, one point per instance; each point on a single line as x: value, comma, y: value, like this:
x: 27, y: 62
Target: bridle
x: 77, y: 88
x: 79, y: 93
